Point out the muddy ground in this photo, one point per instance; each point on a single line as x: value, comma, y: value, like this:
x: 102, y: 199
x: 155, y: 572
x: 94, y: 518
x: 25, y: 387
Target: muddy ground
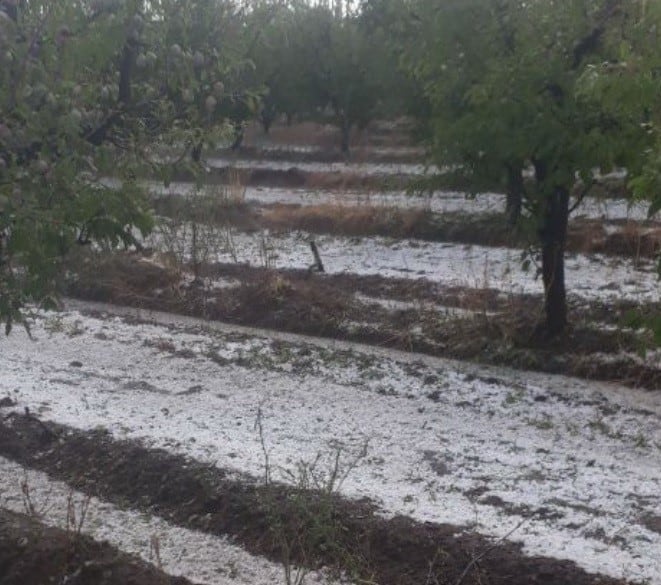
x: 34, y: 554
x: 315, y: 528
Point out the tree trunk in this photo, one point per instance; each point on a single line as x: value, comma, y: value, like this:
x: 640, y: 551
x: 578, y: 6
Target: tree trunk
x: 194, y: 254
x: 515, y: 192
x: 238, y: 136
x: 346, y: 136
x: 553, y: 240
x: 267, y: 118
x: 196, y: 152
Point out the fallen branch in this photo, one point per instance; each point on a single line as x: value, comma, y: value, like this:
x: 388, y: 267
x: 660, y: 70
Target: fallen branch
x: 485, y: 552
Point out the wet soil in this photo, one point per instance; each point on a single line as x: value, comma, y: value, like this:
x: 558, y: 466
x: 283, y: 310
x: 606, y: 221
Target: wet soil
x: 312, y: 528
x: 32, y: 553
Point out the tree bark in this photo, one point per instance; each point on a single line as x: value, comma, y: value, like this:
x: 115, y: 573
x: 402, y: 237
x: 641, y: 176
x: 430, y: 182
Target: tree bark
x: 238, y: 136
x: 267, y: 117
x: 553, y: 240
x: 196, y: 152
x: 266, y: 124
x: 346, y: 136
x: 515, y: 192
x: 125, y: 73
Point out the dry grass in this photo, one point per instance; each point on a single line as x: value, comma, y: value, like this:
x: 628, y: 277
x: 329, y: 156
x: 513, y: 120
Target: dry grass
x: 351, y: 220
x: 123, y: 278
x: 632, y: 239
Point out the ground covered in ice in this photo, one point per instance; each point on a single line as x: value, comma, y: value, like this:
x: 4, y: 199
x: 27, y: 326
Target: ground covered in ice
x: 578, y: 463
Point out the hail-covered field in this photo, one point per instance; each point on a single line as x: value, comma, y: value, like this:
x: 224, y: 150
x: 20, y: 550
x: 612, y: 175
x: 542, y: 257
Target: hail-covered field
x: 574, y: 465
x: 568, y: 468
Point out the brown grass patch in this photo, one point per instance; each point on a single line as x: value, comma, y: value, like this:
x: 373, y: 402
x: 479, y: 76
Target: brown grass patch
x: 336, y: 181
x: 123, y: 278
x: 306, y: 303
x: 296, y: 178
x: 629, y: 238
x: 351, y: 220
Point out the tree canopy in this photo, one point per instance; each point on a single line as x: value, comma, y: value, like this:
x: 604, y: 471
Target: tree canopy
x: 537, y: 97
x: 510, y: 88
x: 91, y: 90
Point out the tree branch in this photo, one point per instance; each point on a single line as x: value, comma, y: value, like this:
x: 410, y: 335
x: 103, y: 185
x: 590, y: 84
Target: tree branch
x: 583, y: 194
x: 590, y: 42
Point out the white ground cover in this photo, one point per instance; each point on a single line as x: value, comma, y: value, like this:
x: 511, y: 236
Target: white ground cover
x: 438, y: 202
x: 364, y: 169
x: 200, y: 557
x: 357, y: 152
x: 445, y: 441
x: 593, y: 277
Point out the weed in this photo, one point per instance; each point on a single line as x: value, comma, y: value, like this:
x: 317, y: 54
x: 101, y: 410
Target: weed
x: 641, y: 441
x: 307, y: 521
x: 26, y: 493
x: 197, y: 227
x: 54, y: 324
x: 267, y: 255
x: 76, y: 514
x: 544, y: 424
x: 601, y: 426
x: 514, y: 396
x: 155, y: 550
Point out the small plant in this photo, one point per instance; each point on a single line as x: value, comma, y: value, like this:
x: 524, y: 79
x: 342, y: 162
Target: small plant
x: 306, y: 522
x: 30, y: 505
x: 601, y: 426
x: 514, y: 396
x: 228, y: 243
x: 267, y: 254
x: 54, y: 324
x: 26, y: 493
x: 155, y: 550
x: 76, y: 514
x: 641, y: 441
x: 232, y: 194
x: 195, y: 231
x: 543, y: 424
